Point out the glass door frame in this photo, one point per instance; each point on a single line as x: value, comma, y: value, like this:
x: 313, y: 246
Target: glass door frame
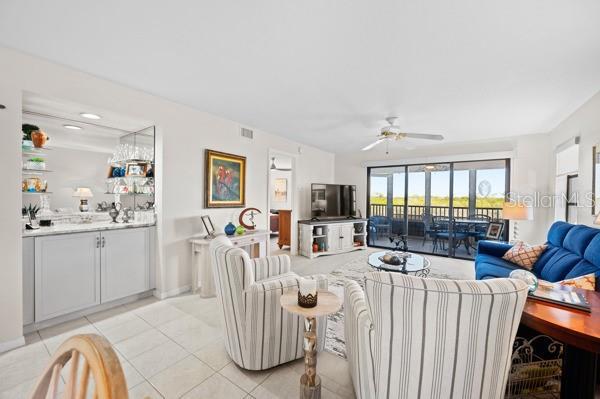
x: 404, y: 168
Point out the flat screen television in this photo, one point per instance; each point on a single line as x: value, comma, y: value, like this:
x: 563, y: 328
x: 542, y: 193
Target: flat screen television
x: 332, y: 201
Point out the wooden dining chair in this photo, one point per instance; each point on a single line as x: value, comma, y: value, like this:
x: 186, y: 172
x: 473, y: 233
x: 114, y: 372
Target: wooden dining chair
x: 89, y: 356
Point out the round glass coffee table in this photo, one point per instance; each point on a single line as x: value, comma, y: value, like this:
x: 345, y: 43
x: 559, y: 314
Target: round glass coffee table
x: 415, y: 265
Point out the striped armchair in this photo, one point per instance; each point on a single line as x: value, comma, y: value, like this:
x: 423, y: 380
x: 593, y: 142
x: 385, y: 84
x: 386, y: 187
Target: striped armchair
x: 409, y: 337
x: 259, y: 333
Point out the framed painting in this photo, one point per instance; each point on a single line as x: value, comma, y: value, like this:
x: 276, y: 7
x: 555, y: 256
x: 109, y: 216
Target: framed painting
x: 280, y: 189
x: 225, y: 180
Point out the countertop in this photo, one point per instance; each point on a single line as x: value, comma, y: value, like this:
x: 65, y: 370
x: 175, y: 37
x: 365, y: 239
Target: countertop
x: 66, y: 228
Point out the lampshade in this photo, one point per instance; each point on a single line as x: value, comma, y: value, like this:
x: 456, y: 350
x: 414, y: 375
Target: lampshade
x: 515, y: 211
x: 83, y: 192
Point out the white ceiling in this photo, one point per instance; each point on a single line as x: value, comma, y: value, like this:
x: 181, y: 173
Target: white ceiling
x: 327, y: 73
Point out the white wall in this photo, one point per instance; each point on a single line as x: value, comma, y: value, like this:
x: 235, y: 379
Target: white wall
x: 585, y: 123
x: 183, y: 134
x: 530, y: 157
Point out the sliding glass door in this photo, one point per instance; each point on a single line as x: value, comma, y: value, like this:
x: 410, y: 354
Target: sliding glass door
x: 437, y: 208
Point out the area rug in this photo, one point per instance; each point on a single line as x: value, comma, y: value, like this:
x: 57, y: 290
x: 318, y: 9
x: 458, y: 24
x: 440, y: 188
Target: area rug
x: 355, y: 270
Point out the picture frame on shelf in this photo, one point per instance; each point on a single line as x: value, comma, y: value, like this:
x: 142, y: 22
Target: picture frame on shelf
x: 224, y: 180
x: 494, y: 230
x: 137, y: 169
x: 208, y: 226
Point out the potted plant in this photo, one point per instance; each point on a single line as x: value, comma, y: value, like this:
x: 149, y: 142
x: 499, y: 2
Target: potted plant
x: 36, y: 163
x: 34, y: 134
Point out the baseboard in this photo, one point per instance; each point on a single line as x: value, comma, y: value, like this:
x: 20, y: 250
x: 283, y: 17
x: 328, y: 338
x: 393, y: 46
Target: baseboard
x: 173, y: 292
x: 15, y: 343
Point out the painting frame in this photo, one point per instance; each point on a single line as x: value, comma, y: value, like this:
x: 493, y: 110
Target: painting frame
x: 136, y: 169
x: 212, y: 183
x: 280, y: 187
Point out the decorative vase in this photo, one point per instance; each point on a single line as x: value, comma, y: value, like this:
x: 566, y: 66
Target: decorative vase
x: 240, y: 230
x: 39, y: 139
x: 27, y: 144
x: 114, y: 212
x: 315, y: 246
x: 230, y: 229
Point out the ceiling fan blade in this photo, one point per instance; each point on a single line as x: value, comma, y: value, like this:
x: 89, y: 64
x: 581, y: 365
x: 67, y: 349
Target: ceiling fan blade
x: 373, y: 144
x: 423, y: 136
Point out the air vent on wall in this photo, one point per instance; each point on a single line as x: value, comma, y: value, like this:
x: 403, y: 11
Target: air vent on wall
x: 247, y: 133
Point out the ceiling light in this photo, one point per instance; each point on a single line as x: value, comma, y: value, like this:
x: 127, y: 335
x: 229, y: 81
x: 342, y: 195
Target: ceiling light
x: 90, y: 116
x: 72, y: 127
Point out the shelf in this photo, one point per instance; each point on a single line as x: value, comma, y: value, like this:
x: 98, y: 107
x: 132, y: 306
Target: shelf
x: 320, y: 236
x: 35, y: 171
x: 130, y: 177
x: 36, y: 192
x: 129, y: 193
x: 34, y: 151
x: 359, y: 234
x: 126, y: 161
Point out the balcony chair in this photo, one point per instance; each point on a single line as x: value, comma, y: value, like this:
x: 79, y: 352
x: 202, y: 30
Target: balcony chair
x: 429, y: 230
x: 379, y: 225
x: 479, y: 231
x: 408, y: 337
x: 442, y: 234
x: 89, y: 357
x: 259, y: 334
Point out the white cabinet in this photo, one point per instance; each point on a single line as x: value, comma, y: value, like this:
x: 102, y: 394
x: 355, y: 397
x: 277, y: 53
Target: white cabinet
x: 73, y: 272
x: 331, y: 237
x: 125, y: 263
x: 28, y: 280
x: 67, y: 274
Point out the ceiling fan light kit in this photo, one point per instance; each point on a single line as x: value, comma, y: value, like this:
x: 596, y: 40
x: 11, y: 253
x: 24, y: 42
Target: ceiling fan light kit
x: 393, y: 132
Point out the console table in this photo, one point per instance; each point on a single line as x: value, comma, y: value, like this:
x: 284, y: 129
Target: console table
x: 579, y: 332
x: 256, y: 242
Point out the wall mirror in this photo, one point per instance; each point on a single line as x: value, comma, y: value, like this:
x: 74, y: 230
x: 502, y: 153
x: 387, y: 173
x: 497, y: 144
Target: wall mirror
x: 596, y: 180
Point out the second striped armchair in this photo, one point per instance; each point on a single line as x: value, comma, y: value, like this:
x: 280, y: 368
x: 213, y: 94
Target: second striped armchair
x: 259, y: 333
x: 408, y: 337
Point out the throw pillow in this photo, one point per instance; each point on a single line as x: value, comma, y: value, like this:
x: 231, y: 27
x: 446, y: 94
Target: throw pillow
x: 587, y: 282
x: 524, y: 255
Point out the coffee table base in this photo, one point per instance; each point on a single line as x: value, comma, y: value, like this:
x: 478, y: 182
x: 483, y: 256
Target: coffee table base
x: 310, y: 392
x: 310, y: 383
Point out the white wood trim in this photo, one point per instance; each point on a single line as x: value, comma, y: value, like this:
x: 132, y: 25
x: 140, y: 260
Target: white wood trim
x: 12, y: 344
x: 173, y: 292
x: 443, y: 158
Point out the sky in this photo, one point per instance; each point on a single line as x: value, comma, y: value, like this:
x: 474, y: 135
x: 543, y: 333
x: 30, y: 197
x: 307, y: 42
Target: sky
x: 440, y: 183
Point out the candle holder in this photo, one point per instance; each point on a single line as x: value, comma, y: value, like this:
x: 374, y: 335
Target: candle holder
x: 308, y: 300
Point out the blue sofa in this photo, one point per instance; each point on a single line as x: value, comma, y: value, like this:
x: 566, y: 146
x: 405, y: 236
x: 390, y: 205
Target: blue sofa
x: 573, y: 251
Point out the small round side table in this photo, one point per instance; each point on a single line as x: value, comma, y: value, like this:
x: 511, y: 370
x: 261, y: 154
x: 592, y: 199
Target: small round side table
x: 327, y: 303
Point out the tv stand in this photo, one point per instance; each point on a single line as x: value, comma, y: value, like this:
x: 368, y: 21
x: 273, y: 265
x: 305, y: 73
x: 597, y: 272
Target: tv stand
x: 333, y: 236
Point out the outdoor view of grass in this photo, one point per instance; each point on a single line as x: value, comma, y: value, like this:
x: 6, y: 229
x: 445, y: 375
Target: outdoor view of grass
x: 482, y: 202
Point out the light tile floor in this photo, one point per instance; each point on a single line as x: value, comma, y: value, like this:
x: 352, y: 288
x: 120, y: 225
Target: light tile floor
x: 168, y: 349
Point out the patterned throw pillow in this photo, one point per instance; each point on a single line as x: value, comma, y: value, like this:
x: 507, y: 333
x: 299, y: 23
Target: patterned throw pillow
x: 524, y: 255
x: 587, y: 282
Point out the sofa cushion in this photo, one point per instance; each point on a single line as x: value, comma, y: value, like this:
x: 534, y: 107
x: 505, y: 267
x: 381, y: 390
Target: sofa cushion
x: 488, y: 266
x: 559, y: 265
x: 592, y: 253
x: 557, y: 233
x: 578, y: 239
x: 544, y: 258
x: 524, y: 255
x: 582, y: 268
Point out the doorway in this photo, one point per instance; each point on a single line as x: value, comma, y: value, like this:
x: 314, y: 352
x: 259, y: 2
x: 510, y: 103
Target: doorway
x: 281, y: 203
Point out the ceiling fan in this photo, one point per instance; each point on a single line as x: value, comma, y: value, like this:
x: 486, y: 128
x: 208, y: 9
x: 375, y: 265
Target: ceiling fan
x: 393, y: 132
x: 274, y: 167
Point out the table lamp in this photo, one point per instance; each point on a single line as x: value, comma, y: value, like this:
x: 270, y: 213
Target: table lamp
x: 515, y: 211
x: 83, y: 193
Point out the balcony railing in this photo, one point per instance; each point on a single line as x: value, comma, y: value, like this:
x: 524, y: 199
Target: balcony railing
x: 415, y: 212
